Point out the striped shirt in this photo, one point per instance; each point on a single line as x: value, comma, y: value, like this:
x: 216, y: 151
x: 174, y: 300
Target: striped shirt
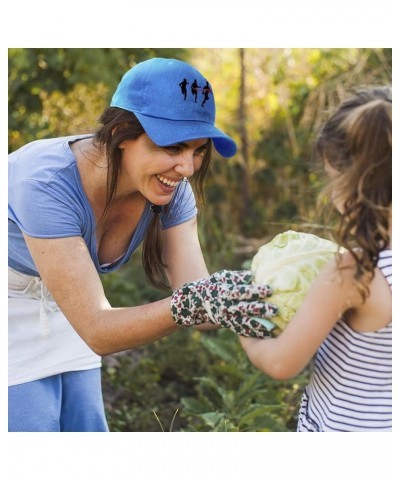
x: 351, y: 383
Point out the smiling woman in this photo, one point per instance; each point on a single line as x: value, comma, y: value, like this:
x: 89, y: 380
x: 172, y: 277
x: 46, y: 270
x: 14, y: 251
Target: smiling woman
x: 79, y: 206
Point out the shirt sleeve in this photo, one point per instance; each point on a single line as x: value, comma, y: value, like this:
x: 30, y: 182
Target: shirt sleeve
x: 181, y: 208
x: 44, y: 209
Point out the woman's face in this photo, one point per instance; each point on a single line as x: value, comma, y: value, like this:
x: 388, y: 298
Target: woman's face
x: 155, y: 171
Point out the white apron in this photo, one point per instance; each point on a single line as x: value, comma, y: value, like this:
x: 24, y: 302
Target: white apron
x: 41, y: 341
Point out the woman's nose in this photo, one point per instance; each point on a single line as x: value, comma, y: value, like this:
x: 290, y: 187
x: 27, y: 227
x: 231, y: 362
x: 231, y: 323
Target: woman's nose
x: 185, y: 165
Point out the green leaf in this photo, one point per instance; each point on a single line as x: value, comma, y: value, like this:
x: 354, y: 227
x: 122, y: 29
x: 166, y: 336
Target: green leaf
x: 225, y: 350
x: 255, y: 412
x: 213, y: 418
x: 194, y: 406
x: 212, y: 384
x: 249, y: 388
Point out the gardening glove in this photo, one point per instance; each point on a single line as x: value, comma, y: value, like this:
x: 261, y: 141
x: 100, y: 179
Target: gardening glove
x: 227, y: 299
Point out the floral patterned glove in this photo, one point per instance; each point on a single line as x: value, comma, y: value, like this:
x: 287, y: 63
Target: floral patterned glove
x: 228, y: 299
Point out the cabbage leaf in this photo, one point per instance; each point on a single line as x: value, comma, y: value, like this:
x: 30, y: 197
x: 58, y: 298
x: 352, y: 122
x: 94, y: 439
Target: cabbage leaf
x: 288, y: 264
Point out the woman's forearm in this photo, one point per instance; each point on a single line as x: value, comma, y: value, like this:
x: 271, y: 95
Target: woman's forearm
x: 116, y: 329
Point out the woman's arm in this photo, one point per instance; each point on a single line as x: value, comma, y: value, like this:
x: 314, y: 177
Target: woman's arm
x: 184, y: 258
x: 183, y: 255
x: 70, y: 276
x: 287, y: 355
x: 68, y: 272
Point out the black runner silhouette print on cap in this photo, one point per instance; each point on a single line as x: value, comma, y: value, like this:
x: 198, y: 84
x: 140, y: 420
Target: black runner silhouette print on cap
x: 183, y: 85
x: 206, y: 91
x: 195, y: 88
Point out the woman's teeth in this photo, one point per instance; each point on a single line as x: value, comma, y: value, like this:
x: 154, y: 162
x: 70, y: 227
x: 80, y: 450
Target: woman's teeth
x: 165, y: 181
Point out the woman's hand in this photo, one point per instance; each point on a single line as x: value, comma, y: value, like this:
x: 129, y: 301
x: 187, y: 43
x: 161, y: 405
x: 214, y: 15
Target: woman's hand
x: 227, y: 299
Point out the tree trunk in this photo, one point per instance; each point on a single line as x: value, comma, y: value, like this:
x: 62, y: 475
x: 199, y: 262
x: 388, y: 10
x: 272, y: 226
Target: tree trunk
x: 244, y: 144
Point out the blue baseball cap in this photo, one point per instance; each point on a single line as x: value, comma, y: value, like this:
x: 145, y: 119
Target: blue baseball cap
x: 173, y: 102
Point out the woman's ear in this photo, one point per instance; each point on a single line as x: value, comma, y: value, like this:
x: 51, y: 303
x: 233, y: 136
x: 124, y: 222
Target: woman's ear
x: 122, y: 145
x: 125, y: 130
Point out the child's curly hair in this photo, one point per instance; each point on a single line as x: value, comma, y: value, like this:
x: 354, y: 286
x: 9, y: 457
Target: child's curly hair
x: 356, y: 141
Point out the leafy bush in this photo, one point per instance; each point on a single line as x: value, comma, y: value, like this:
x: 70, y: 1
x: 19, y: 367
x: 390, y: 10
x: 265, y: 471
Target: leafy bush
x: 194, y: 381
x: 236, y: 397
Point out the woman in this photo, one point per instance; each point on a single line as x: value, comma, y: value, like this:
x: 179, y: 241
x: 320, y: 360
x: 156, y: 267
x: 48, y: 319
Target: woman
x: 78, y: 207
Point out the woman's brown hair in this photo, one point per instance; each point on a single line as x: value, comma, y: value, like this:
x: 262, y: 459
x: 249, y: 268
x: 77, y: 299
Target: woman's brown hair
x: 118, y: 125
x: 356, y: 141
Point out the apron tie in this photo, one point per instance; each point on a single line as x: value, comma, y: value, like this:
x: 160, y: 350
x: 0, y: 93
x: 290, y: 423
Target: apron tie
x: 37, y: 289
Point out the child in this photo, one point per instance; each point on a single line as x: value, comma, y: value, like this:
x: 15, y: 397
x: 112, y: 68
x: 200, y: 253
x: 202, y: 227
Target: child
x: 346, y: 318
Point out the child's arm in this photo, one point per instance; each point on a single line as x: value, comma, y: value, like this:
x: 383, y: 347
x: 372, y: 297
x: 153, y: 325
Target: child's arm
x: 330, y: 295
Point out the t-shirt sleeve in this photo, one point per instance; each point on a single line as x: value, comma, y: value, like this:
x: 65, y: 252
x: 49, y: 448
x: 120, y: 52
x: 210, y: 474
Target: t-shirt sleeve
x: 181, y: 208
x: 44, y: 209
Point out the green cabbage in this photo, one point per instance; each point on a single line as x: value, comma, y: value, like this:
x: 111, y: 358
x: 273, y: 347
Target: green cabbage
x: 288, y: 264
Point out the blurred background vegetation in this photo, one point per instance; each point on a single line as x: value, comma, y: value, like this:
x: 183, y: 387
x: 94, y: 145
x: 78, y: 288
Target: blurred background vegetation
x: 271, y: 101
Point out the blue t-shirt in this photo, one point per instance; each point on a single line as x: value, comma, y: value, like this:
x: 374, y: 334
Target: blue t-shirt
x: 46, y: 200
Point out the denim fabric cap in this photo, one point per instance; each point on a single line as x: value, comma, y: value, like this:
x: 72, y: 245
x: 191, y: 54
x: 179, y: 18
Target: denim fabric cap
x: 173, y: 102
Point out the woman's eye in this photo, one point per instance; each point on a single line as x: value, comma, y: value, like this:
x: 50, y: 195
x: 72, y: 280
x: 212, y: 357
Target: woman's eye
x: 200, y: 152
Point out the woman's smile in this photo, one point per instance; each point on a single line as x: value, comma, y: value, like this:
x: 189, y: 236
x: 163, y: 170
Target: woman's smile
x: 167, y: 183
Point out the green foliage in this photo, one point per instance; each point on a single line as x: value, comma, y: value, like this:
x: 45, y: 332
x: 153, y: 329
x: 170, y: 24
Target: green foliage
x: 195, y: 381
x: 146, y: 384
x: 235, y: 397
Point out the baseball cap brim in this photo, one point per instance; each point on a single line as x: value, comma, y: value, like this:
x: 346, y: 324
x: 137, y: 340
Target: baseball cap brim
x: 165, y: 132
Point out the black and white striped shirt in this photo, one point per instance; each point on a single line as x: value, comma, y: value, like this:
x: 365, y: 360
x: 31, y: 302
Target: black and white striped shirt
x: 351, y: 384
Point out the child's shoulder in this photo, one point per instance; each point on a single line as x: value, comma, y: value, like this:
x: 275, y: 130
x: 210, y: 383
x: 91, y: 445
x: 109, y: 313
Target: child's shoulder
x: 373, y: 313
